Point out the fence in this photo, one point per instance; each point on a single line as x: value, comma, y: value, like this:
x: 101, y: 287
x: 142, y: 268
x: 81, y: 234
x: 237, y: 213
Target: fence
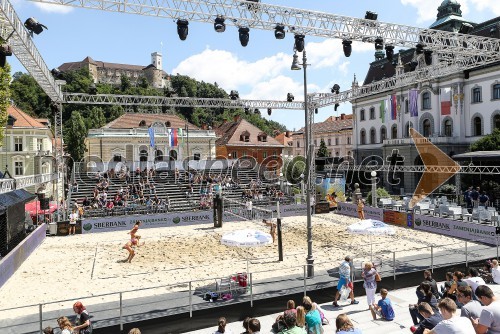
x: 123, y: 307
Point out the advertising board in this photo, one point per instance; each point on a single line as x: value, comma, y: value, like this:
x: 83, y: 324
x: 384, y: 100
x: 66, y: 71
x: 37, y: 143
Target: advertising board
x: 398, y: 218
x: 350, y: 209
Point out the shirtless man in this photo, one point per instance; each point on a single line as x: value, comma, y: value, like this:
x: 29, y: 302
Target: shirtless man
x: 272, y: 225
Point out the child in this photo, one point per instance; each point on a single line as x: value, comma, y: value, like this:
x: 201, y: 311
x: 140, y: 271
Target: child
x: 383, y: 308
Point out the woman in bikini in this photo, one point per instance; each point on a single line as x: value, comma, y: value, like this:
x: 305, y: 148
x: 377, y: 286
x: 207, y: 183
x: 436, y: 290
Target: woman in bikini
x: 130, y: 247
x: 272, y: 226
x: 134, y: 230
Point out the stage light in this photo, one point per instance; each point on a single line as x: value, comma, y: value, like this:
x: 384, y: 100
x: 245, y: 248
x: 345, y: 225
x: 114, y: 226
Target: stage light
x: 389, y: 52
x: 256, y: 111
x: 289, y: 97
x: 182, y: 29
x: 379, y: 43
x: 299, y: 42
x: 347, y: 46
x: 466, y: 28
x: 295, y: 63
x: 336, y: 106
x: 234, y: 95
x: 413, y: 65
x: 428, y: 57
x: 371, y: 15
x: 279, y: 31
x: 335, y: 89
x: 269, y: 111
x: 219, y: 24
x: 92, y: 89
x: 244, y: 33
x: 34, y: 26
x: 252, y: 6
x: 5, y: 51
x: 247, y: 111
x: 419, y: 48
x: 316, y: 111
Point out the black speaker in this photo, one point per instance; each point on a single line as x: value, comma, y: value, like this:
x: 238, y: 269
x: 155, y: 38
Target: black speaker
x: 40, y: 196
x: 44, y: 203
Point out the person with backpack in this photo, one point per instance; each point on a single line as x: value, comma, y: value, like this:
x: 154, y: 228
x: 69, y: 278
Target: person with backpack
x: 383, y: 309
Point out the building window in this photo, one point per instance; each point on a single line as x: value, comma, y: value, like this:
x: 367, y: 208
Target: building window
x: 39, y: 144
x: 197, y: 156
x: 298, y: 143
x: 329, y: 141
x: 18, y: 144
x: 426, y: 100
x: 336, y: 141
x: 245, y: 138
x: 362, y: 115
x: 407, y: 106
x: 427, y: 128
x: 244, y: 154
x: 372, y: 113
x: 477, y: 126
x: 18, y: 168
x: 476, y: 95
x: 363, y: 137
x: 348, y: 153
x: 383, y: 134
x: 407, y: 129
x: 394, y: 132
x: 117, y: 158
x: 264, y: 155
x: 234, y: 155
x: 496, y: 92
x: 348, y: 140
x: 448, y: 128
x: 496, y: 122
x: 373, y: 140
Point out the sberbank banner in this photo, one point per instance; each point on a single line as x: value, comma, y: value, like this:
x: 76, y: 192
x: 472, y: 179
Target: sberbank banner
x: 120, y: 223
x: 464, y: 230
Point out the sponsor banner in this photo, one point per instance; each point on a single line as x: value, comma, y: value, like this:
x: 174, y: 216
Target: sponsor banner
x: 398, y: 218
x: 121, y: 223
x: 464, y: 230
x: 350, y: 209
x: 291, y: 210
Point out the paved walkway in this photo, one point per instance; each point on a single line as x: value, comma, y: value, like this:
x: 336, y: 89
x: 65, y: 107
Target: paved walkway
x: 359, y: 315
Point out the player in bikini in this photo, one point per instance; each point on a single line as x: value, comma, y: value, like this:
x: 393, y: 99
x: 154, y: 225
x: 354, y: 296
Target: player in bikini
x: 272, y: 225
x: 130, y: 247
x: 134, y: 230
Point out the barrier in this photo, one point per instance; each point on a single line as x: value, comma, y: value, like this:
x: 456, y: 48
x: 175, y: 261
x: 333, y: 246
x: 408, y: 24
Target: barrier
x: 350, y: 209
x: 10, y: 263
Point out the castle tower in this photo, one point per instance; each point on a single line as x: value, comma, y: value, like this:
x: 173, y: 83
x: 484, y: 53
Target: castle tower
x: 156, y: 60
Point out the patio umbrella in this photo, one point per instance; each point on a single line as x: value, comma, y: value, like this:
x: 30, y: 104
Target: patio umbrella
x: 371, y: 227
x: 247, y: 238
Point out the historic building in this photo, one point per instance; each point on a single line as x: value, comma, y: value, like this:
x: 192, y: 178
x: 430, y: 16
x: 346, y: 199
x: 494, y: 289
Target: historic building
x: 150, y: 139
x: 111, y: 73
x: 238, y: 138
x: 285, y: 139
x: 336, y: 131
x: 451, y: 112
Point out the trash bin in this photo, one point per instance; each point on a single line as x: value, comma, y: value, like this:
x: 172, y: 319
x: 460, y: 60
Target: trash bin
x: 52, y: 228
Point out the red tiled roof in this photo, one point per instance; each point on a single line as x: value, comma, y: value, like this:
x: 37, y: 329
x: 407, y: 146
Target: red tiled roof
x: 284, y: 140
x: 332, y: 124
x: 229, y: 134
x: 132, y: 120
x: 23, y: 120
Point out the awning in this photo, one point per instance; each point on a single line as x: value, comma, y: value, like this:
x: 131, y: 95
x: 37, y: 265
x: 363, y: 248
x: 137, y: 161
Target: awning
x: 478, y: 156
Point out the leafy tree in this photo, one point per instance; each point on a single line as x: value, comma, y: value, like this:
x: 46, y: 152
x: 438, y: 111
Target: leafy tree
x: 4, y: 98
x: 381, y: 193
x: 294, y: 168
x: 29, y: 96
x: 125, y: 83
x: 75, y: 135
x: 323, y: 150
x: 95, y: 118
x: 489, y: 142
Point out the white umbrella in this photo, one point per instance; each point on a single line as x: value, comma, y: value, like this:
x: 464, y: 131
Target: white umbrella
x: 371, y: 227
x: 247, y: 238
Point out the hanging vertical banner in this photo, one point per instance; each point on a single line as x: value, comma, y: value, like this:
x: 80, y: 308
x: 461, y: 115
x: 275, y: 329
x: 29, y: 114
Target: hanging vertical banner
x: 394, y: 107
x: 151, y: 137
x: 173, y: 138
x: 181, y: 135
x: 445, y: 101
x: 413, y: 102
x: 382, y: 111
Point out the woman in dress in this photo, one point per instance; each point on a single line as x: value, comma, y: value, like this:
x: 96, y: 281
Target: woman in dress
x: 370, y: 284
x: 83, y: 324
x: 65, y: 325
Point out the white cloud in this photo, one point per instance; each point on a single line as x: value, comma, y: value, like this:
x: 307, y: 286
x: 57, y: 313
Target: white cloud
x: 422, y: 6
x: 487, y: 5
x: 50, y: 8
x: 426, y: 15
x: 343, y: 68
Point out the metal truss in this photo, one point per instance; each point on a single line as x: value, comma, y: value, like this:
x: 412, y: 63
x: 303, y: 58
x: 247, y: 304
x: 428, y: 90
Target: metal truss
x: 13, y: 30
x: 298, y: 21
x: 470, y: 169
x: 22, y: 182
x: 160, y: 101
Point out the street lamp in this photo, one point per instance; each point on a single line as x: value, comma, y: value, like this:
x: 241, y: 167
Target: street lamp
x: 308, y: 150
x: 374, y: 188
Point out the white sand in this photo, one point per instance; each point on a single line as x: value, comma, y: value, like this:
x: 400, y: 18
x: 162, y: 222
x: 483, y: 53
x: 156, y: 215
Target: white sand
x: 88, y: 265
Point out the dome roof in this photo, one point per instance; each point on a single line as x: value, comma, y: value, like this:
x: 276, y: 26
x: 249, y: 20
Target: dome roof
x: 449, y: 2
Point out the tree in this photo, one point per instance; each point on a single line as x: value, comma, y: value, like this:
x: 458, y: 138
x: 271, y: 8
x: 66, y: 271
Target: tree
x: 323, y: 150
x: 294, y: 169
x: 381, y: 193
x: 4, y: 98
x: 489, y: 142
x: 95, y: 118
x: 75, y: 135
x: 29, y: 96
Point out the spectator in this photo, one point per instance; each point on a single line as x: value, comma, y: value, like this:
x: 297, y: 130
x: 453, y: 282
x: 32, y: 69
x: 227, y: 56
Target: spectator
x: 495, y: 271
x: 344, y: 280
x: 428, y: 278
x: 279, y: 323
x: 290, y: 319
x: 313, y: 317
x: 254, y: 326
x: 483, y: 199
x: 82, y: 319
x: 447, y: 286
x: 48, y: 330
x: 473, y: 280
x: 431, y: 318
x: 370, y: 284
x: 471, y: 308
x: 489, y: 321
x: 452, y: 323
x: 383, y: 309
x: 345, y: 326
x: 474, y: 196
x: 73, y: 217
x: 65, y: 325
x: 222, y: 327
x: 457, y: 281
x: 134, y: 331
x: 468, y: 199
x: 424, y: 294
x: 245, y: 325
x: 301, y: 317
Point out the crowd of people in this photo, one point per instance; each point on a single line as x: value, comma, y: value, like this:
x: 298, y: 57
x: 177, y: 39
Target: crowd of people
x: 475, y: 197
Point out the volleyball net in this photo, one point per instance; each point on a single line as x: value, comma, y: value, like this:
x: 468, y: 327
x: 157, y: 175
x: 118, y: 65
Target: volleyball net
x: 247, y: 210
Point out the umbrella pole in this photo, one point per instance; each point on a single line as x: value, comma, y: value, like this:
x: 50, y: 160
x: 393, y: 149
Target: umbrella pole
x: 371, y: 249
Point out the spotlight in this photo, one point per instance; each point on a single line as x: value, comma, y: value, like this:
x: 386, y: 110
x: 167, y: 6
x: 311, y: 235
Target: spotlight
x: 256, y: 111
x: 428, y: 57
x: 56, y: 73
x: 182, y: 29
x: 316, y: 111
x: 335, y: 89
x: 379, y: 43
x: 92, y: 89
x: 466, y: 28
x: 289, y: 97
x: 234, y: 95
x: 389, y: 52
x: 244, y: 35
x: 5, y: 51
x: 279, y: 31
x: 419, y: 48
x: 295, y: 62
x: 269, y: 111
x: 336, y: 106
x: 219, y: 24
x: 299, y: 42
x: 347, y: 46
x: 34, y: 26
x: 371, y: 16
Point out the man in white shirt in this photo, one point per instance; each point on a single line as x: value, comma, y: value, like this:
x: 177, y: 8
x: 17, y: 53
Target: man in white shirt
x: 473, y: 280
x: 495, y: 271
x: 452, y: 323
x: 489, y: 321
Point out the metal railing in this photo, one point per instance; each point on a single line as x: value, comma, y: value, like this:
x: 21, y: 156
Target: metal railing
x: 119, y: 308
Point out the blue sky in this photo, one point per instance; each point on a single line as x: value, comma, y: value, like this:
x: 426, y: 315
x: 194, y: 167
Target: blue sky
x: 259, y: 71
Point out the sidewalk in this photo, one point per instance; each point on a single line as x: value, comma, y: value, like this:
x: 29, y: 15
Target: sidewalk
x: 359, y: 315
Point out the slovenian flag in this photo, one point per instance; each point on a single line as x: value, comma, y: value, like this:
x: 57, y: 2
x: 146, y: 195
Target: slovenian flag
x: 445, y: 97
x: 173, y: 137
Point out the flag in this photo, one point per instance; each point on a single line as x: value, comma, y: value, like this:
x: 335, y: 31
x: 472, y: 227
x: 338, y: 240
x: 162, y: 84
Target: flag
x: 382, y: 111
x: 413, y: 103
x: 167, y: 132
x: 173, y: 138
x: 445, y: 97
x: 394, y: 107
x: 151, y: 137
x: 181, y: 135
